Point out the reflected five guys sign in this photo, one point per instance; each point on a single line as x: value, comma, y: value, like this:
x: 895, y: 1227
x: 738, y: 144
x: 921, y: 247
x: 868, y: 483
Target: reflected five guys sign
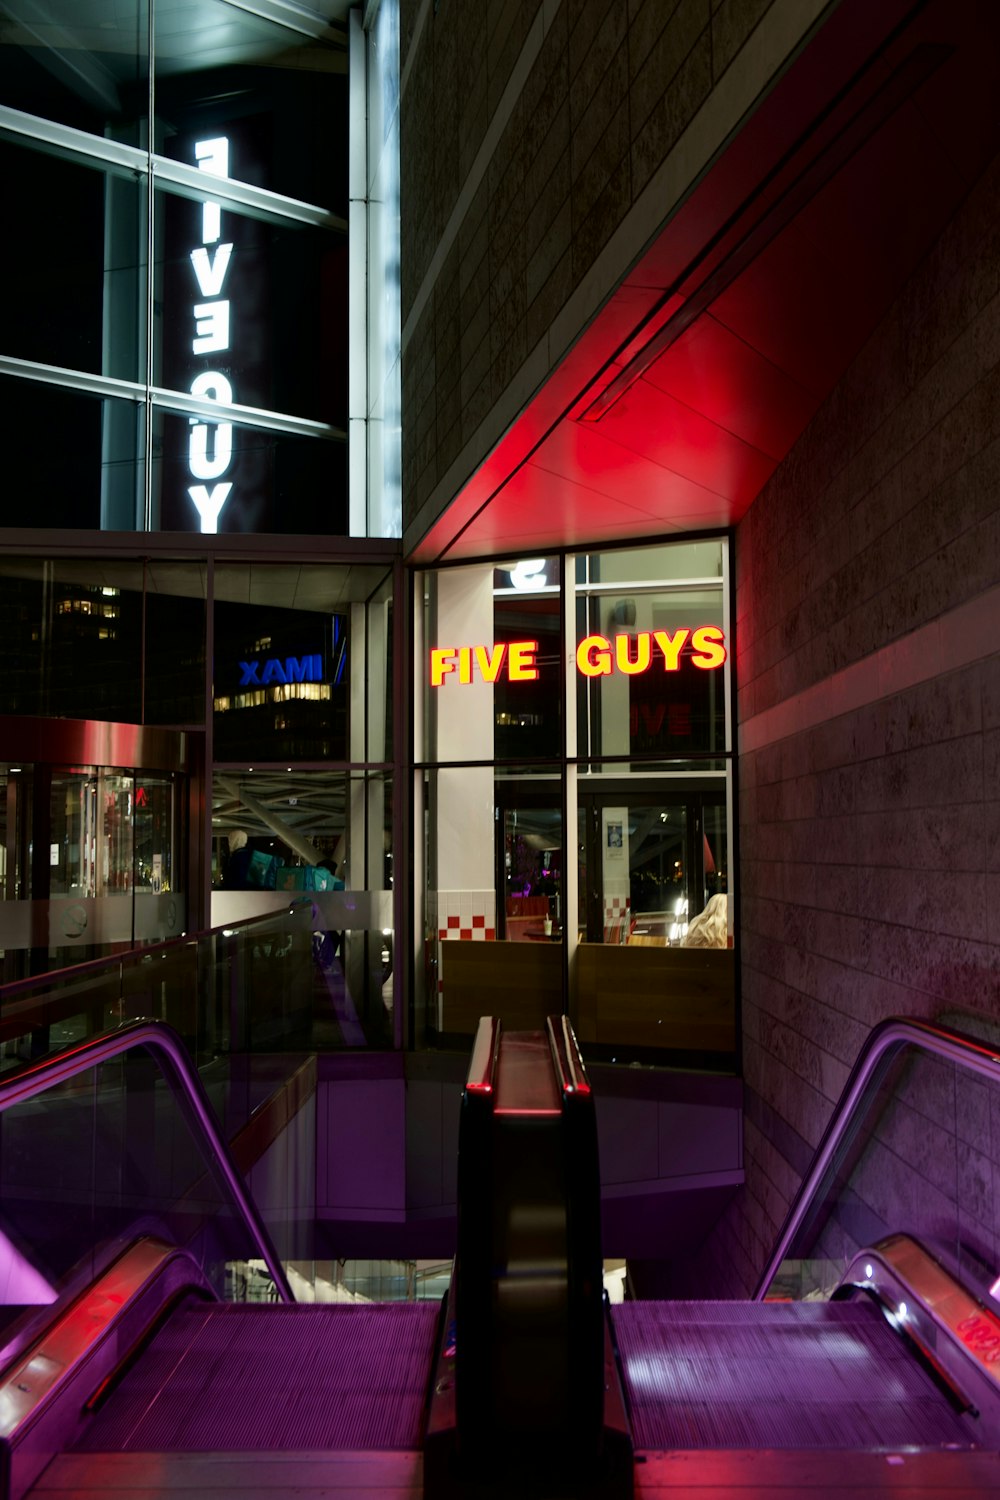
x: 210, y: 444
x: 596, y: 656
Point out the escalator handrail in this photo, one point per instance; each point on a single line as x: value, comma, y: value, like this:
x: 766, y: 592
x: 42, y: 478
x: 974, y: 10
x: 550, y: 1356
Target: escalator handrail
x: 182, y: 1077
x: 885, y: 1038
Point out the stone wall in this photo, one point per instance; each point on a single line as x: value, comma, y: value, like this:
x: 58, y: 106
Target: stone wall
x: 531, y: 133
x: 868, y: 639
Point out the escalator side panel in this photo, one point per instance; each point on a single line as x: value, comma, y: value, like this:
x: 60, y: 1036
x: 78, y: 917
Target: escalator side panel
x: 78, y: 1348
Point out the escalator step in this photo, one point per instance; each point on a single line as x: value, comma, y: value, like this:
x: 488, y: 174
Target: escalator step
x: 786, y: 1375
x: 238, y: 1377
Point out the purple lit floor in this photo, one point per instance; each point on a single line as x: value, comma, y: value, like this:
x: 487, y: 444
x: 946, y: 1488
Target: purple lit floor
x: 732, y: 1475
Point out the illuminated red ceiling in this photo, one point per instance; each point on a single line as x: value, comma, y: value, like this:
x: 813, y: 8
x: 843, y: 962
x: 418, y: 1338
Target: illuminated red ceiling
x: 694, y: 381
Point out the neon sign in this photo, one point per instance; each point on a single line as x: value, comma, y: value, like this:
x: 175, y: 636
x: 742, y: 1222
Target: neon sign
x: 596, y: 655
x: 210, y: 444
x: 292, y: 669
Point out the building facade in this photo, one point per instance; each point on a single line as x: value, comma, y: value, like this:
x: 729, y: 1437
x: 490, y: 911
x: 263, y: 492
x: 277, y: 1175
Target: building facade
x: 731, y: 267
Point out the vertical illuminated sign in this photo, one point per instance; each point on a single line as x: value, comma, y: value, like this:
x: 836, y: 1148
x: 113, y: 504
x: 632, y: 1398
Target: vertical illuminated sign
x: 210, y: 444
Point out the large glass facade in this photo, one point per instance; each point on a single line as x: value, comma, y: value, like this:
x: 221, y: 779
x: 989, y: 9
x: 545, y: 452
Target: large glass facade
x: 303, y: 786
x: 276, y: 678
x: 121, y: 640
x: 580, y: 699
x: 189, y: 340
x: 194, y: 193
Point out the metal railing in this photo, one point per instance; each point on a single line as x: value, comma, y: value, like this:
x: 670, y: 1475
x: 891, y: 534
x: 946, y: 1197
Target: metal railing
x: 182, y: 1078
x: 884, y: 1042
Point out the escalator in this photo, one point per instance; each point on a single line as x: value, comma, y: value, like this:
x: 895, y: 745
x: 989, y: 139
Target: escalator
x: 868, y: 1361
x: 133, y: 1371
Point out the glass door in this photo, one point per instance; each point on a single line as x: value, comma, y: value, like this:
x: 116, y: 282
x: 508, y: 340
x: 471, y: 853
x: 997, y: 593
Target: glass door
x: 92, y: 859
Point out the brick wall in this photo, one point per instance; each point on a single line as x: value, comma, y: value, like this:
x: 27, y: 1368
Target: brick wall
x: 868, y: 638
x: 530, y: 132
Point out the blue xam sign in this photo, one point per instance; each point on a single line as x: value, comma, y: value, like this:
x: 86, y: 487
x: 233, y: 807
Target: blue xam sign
x: 276, y: 669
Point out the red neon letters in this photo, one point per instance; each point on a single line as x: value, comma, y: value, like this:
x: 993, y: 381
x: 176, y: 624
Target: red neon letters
x: 596, y: 655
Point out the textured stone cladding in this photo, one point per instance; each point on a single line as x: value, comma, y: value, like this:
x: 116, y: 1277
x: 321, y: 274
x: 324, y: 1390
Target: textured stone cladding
x: 612, y: 86
x: 867, y: 630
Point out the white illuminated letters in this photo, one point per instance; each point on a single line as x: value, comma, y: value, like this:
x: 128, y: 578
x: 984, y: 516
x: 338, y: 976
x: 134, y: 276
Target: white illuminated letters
x: 211, y: 323
x: 210, y: 444
x: 205, y: 465
x: 212, y: 387
x: 208, y: 503
x: 211, y: 273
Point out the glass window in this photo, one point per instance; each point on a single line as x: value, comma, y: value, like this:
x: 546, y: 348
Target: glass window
x: 327, y: 834
x: 634, y: 936
x: 651, y: 858
x: 174, y: 681
x: 290, y: 667
x: 76, y: 456
x: 73, y: 633
x: 379, y: 614
x: 81, y: 64
x: 493, y: 662
x: 494, y: 929
x: 69, y: 650
x: 277, y: 93
x: 232, y: 289
x: 80, y: 294
x: 223, y: 477
x: 281, y: 686
x: 668, y: 560
x: 529, y: 831
x: 650, y: 672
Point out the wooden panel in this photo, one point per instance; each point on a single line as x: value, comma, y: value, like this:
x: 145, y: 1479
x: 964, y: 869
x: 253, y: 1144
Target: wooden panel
x: 656, y: 997
x: 519, y: 982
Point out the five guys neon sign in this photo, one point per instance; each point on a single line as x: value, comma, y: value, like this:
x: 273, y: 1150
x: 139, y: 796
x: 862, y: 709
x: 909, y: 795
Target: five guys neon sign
x: 210, y: 444
x: 596, y: 655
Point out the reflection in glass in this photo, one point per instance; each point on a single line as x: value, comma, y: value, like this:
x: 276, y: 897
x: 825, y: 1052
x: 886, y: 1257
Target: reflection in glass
x: 91, y: 477
x: 494, y: 664
x: 653, y: 869
x: 281, y: 684
x: 73, y: 636
x: 245, y: 479
x: 494, y: 902
x: 223, y: 71
x: 666, y: 561
x: 57, y: 63
x: 650, y: 673
x: 229, y: 323
x: 325, y: 837
x: 643, y: 916
x: 94, y: 860
x: 80, y: 296
x: 532, y: 867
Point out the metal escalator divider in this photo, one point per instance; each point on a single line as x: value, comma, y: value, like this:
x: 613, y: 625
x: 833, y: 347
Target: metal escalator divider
x: 528, y: 1346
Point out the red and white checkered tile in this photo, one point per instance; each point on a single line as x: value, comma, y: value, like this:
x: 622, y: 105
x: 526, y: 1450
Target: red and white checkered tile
x: 466, y: 916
